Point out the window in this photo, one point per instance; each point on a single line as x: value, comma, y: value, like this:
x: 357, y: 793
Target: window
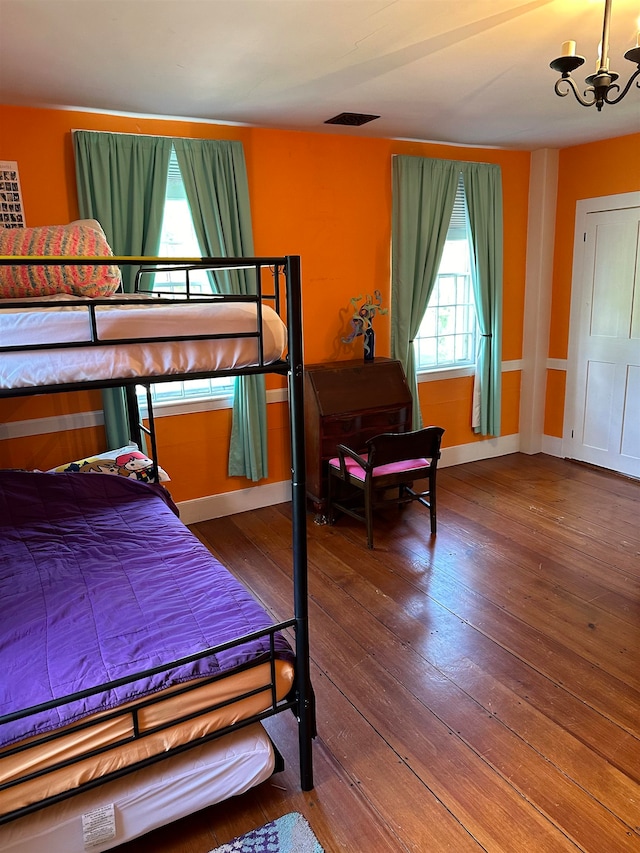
x: 447, y: 334
x: 178, y: 239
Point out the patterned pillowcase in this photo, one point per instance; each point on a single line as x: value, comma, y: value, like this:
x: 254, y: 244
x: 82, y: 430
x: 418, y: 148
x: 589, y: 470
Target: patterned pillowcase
x: 84, y: 237
x: 124, y: 462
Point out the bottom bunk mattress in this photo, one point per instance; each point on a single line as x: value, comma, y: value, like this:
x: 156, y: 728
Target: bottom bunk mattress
x: 146, y: 799
x: 118, y: 632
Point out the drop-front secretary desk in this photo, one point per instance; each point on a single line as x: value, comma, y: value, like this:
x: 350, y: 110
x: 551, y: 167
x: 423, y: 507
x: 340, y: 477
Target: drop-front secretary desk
x: 348, y: 402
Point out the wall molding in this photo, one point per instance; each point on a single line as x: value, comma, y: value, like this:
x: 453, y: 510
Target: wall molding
x: 42, y: 426
x: 458, y: 372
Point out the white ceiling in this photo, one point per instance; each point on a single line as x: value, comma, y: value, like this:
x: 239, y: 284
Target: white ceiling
x: 458, y: 71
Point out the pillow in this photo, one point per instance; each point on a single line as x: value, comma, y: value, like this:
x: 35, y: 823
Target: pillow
x: 84, y: 237
x: 124, y: 462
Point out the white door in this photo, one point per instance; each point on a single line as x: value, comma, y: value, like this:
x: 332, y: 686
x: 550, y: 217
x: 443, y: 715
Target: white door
x: 602, y: 423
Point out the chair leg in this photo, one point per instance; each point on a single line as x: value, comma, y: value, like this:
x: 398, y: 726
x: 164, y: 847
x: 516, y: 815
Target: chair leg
x: 368, y: 514
x: 432, y: 504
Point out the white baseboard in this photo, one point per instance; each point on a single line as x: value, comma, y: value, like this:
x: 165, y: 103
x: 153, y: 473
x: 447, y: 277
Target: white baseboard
x: 476, y: 450
x: 552, y: 446
x: 229, y: 503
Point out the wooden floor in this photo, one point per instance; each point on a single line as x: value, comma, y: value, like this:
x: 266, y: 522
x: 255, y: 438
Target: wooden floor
x: 476, y: 691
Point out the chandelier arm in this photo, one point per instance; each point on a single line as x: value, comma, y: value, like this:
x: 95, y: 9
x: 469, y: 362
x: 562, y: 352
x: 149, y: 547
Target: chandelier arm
x: 572, y: 84
x: 625, y: 90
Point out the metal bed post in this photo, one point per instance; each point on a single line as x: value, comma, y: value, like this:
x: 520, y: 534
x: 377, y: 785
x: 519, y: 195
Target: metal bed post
x: 304, y: 690
x: 133, y: 413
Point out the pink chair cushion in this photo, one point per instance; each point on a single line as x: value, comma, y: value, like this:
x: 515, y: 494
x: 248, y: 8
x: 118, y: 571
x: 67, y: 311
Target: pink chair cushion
x: 355, y: 470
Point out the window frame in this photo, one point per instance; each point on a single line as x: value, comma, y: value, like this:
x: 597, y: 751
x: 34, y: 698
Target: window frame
x: 222, y: 399
x: 457, y: 231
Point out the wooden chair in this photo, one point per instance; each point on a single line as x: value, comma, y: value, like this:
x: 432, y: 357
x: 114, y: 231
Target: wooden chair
x: 358, y: 482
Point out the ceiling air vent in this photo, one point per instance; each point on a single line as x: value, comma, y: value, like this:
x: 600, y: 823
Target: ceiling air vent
x: 351, y: 119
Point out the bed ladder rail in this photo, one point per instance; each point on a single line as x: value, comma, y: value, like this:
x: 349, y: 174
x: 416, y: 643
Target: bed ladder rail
x: 138, y: 430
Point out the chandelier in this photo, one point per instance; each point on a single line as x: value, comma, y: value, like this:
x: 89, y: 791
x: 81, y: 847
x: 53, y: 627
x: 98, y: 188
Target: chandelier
x: 601, y: 87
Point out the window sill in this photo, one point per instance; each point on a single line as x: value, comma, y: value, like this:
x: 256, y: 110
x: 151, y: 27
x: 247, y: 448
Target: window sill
x: 445, y: 373
x: 187, y: 407
x: 206, y: 404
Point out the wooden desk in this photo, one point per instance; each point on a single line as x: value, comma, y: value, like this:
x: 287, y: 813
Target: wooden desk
x: 348, y: 402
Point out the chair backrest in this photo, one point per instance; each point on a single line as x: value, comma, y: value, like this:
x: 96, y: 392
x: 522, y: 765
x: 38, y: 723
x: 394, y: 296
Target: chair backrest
x: 395, y: 446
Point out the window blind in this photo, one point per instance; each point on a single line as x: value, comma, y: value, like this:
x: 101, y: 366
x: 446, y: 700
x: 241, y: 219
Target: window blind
x: 458, y: 222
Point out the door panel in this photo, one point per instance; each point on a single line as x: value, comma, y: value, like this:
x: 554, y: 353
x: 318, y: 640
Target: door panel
x: 612, y: 282
x: 603, y: 424
x: 598, y: 408
x: 631, y: 428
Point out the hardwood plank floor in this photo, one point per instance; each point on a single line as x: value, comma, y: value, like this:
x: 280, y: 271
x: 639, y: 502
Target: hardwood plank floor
x: 476, y: 691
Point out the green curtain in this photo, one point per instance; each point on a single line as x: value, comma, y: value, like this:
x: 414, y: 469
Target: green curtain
x: 424, y: 191
x: 483, y: 193
x: 215, y: 180
x: 122, y: 182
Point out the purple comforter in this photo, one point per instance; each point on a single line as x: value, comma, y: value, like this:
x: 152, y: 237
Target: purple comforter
x: 99, y: 579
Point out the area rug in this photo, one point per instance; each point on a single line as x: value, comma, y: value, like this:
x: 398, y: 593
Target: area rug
x: 288, y: 834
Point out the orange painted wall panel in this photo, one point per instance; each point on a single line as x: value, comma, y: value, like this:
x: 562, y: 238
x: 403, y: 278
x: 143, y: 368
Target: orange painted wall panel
x: 41, y: 452
x: 448, y: 402
x: 193, y: 449
x: 554, y: 402
x: 510, y: 409
x: 48, y: 405
x: 326, y: 197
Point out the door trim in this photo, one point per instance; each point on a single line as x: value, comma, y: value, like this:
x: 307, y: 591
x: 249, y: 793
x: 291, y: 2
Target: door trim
x: 584, y: 207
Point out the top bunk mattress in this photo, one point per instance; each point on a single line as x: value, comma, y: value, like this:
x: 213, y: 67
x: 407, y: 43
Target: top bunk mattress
x: 205, y: 336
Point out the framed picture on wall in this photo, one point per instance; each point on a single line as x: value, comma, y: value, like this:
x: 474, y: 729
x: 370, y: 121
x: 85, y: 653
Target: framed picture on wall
x: 11, y: 208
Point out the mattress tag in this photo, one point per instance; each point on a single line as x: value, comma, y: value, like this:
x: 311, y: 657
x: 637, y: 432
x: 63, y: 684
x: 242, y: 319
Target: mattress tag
x: 98, y: 826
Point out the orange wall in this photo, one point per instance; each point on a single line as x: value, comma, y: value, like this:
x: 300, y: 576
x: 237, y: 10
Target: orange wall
x: 326, y: 197
x: 587, y: 171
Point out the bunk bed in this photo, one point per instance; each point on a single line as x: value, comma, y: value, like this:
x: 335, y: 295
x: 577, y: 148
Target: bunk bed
x: 111, y: 717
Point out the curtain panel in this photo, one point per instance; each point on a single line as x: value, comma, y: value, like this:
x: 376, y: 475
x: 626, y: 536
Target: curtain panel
x: 215, y: 179
x: 122, y: 182
x: 483, y: 193
x: 424, y: 191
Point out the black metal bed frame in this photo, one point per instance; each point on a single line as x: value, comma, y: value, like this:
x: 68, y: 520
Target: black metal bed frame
x: 301, y: 699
